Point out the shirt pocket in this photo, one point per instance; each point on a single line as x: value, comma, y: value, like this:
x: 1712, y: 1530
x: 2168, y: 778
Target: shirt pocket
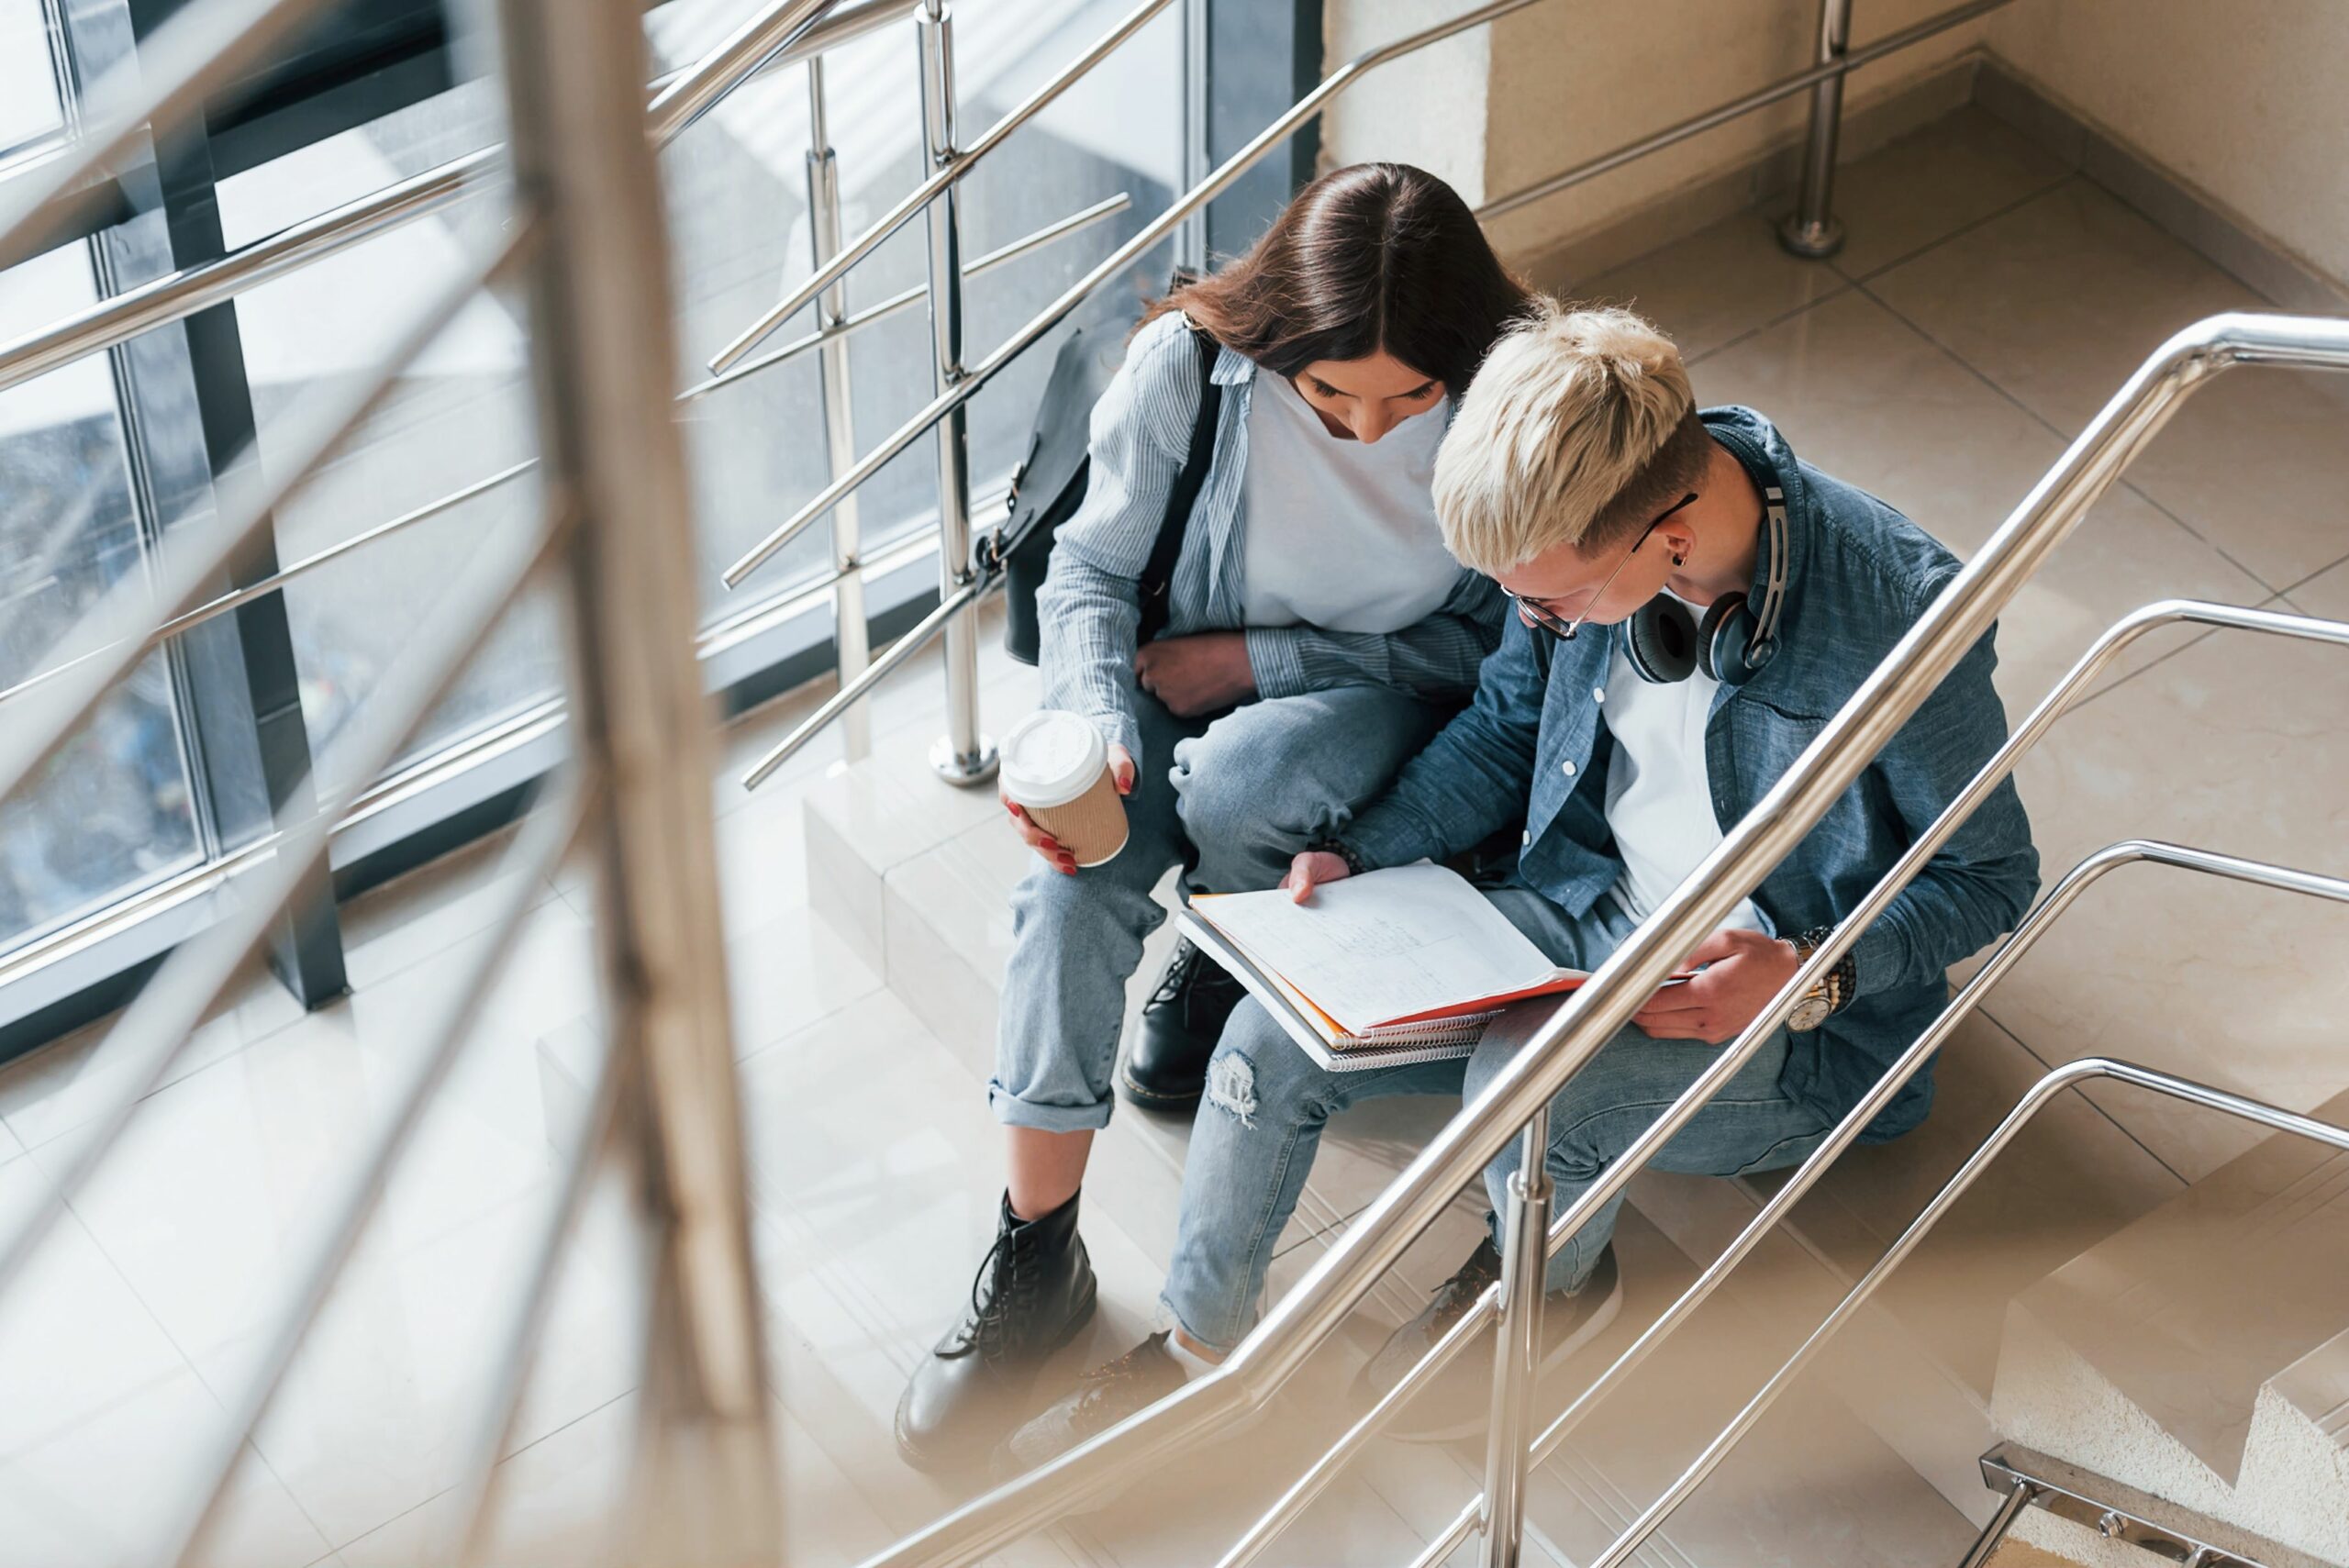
x: 1765, y: 740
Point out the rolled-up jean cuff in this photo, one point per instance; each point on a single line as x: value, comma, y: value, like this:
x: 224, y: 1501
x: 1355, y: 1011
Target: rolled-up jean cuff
x: 1013, y: 1111
x: 1168, y: 1317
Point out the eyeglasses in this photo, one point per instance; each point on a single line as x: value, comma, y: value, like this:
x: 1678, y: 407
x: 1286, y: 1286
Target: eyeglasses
x: 1538, y: 614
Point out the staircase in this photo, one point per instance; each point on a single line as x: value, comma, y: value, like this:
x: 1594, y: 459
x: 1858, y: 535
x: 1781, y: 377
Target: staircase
x: 915, y: 879
x: 2202, y: 1353
x: 1875, y: 1461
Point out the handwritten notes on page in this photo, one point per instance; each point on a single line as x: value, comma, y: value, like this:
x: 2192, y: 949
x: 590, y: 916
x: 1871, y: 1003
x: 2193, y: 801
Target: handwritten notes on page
x: 1386, y: 945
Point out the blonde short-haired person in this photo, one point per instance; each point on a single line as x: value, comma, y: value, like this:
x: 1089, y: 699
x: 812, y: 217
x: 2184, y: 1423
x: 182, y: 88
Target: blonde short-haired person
x: 1637, y: 708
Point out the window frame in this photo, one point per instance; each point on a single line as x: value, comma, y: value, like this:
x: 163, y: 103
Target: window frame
x: 366, y: 59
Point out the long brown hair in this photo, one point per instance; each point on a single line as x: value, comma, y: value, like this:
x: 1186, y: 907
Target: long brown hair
x: 1370, y: 257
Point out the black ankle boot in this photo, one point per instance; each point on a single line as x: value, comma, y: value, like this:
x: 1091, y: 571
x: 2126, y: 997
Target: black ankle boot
x: 1034, y: 1292
x: 1167, y: 1068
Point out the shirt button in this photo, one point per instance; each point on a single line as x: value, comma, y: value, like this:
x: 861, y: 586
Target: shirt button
x: 1598, y: 693
x: 1566, y: 768
x: 1525, y: 837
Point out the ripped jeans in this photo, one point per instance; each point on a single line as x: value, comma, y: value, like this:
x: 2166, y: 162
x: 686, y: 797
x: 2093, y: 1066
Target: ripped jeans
x: 1266, y: 1104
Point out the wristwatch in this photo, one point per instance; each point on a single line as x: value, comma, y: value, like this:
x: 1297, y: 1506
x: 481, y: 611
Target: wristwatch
x: 1830, y: 991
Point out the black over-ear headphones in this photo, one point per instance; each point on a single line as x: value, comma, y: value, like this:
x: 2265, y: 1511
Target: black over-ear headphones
x: 1665, y: 643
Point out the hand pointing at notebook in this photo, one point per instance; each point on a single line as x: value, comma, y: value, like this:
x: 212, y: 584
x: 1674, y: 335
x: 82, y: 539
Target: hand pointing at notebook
x: 1311, y: 868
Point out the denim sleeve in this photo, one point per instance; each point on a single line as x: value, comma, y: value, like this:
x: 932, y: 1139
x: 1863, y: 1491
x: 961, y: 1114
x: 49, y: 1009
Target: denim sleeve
x: 1089, y: 609
x: 1474, y: 776
x: 1436, y: 656
x: 1980, y: 883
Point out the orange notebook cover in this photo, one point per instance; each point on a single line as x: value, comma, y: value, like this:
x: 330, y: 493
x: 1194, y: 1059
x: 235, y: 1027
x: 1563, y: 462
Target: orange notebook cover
x: 1391, y: 949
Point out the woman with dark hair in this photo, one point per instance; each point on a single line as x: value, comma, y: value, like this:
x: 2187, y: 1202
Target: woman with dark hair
x: 1316, y: 635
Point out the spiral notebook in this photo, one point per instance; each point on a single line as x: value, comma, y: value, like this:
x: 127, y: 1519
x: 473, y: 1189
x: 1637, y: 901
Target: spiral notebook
x: 1395, y: 966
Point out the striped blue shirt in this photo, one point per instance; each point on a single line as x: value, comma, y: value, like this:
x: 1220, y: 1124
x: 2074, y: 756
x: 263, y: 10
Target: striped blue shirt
x: 1089, y: 607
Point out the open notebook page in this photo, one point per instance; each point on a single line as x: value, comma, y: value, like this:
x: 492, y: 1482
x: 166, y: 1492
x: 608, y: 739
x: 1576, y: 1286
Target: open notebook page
x: 1386, y: 944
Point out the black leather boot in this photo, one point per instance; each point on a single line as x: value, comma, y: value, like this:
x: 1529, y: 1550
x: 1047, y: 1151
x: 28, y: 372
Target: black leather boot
x: 1167, y: 1068
x: 1034, y: 1292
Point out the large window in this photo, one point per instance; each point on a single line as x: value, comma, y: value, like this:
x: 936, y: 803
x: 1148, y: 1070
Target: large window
x: 105, y: 458
x: 458, y: 414
x: 738, y: 212
x: 30, y: 109
x: 114, y: 811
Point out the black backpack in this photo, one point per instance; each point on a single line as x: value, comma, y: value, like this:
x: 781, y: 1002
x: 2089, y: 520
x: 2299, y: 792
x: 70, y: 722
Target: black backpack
x: 1050, y: 486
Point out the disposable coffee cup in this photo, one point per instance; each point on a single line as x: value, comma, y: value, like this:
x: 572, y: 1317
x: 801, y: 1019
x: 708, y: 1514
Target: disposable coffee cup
x: 1055, y: 767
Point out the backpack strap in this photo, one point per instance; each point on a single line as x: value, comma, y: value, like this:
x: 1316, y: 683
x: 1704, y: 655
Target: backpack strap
x: 1158, y: 577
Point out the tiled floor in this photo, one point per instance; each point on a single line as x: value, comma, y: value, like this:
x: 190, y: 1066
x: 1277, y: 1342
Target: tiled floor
x: 1988, y: 302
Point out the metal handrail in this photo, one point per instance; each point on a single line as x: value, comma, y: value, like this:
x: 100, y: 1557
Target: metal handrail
x: 965, y: 160
x: 108, y: 639
x: 691, y: 94
x: 906, y: 299
x: 1085, y: 218
x: 194, y: 53
x: 1303, y: 110
x: 178, y: 294
x: 260, y: 588
x: 1957, y: 619
x: 492, y: 1430
x: 2041, y: 1094
x: 2066, y: 893
x: 844, y: 25
x: 909, y: 642
x: 1456, y: 1534
x: 589, y: 229
x: 2065, y: 695
x: 1830, y: 71
x: 1737, y: 108
x: 2011, y: 1507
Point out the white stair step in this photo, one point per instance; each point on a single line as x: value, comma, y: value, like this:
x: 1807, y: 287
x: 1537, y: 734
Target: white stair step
x: 1904, y: 1393
x: 2070, y: 1179
x: 2200, y: 1354
x: 1916, y: 1363
x: 2299, y: 1445
x: 1811, y: 1484
x: 871, y: 1219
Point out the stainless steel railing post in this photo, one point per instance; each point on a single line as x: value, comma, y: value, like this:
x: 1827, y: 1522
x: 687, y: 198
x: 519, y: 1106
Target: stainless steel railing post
x: 2011, y: 1507
x: 1517, y: 1349
x: 963, y: 755
x: 603, y: 356
x: 851, y: 637
x: 1811, y: 230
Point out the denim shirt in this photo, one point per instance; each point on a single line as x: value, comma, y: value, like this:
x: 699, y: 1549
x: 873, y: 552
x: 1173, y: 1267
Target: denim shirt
x: 1532, y: 745
x: 1089, y: 607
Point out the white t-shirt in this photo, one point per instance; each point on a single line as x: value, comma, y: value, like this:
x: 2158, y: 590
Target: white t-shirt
x: 1338, y: 533
x: 1659, y: 790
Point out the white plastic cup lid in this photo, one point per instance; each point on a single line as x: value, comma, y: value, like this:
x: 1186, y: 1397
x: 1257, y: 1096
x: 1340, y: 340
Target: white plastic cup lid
x: 1051, y: 757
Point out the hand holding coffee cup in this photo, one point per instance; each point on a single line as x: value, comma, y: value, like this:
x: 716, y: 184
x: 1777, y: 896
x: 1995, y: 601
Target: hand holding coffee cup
x: 1063, y: 786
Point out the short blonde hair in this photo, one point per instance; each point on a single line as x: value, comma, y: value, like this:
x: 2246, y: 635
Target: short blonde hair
x: 1572, y: 418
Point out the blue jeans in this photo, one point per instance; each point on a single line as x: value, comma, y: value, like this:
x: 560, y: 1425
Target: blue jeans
x: 1267, y: 1102
x: 1236, y: 797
